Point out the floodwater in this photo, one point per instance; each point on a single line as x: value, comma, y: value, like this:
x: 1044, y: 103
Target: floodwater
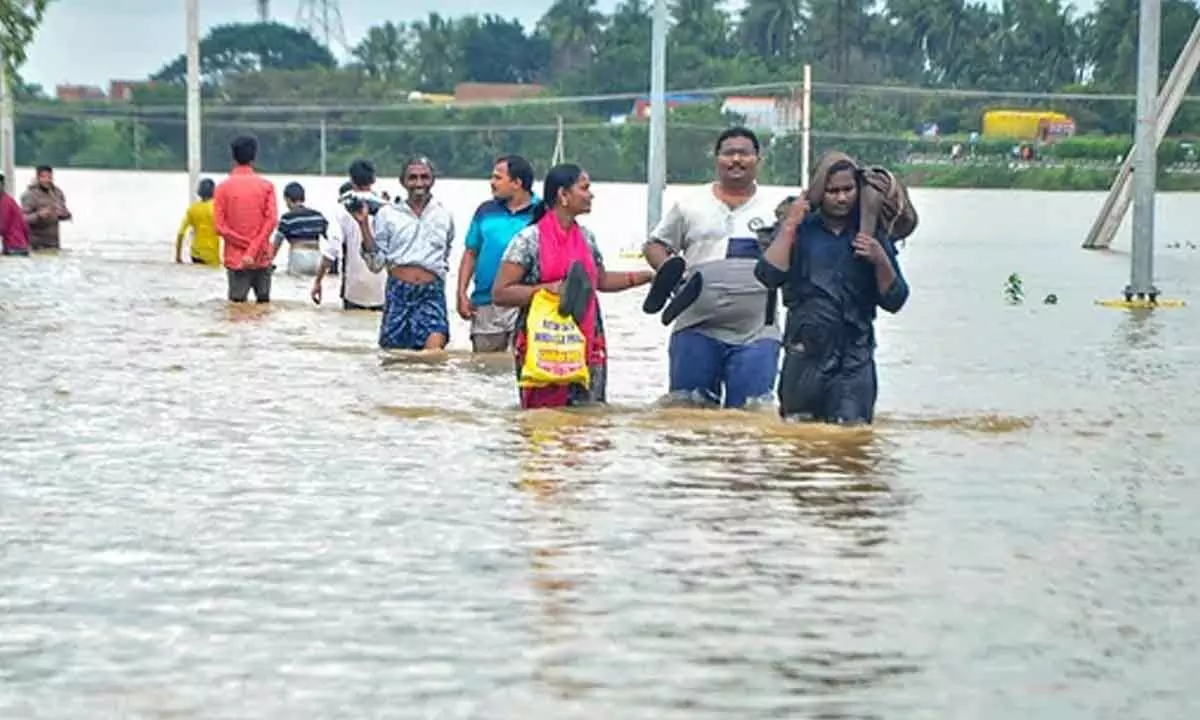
x: 215, y: 512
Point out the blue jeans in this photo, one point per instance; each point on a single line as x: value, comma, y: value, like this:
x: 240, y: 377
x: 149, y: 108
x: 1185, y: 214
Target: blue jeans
x: 700, y: 366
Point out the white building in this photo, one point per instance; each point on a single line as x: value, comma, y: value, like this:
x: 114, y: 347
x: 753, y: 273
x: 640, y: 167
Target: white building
x: 776, y: 115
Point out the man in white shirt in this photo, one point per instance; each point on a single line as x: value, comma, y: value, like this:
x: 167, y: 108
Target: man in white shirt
x: 409, y: 244
x: 361, y: 289
x: 724, y: 348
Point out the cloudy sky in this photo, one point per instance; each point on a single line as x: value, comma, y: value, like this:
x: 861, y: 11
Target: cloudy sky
x: 93, y: 41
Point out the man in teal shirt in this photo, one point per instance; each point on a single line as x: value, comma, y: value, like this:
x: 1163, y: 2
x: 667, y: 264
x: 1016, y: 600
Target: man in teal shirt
x: 494, y: 224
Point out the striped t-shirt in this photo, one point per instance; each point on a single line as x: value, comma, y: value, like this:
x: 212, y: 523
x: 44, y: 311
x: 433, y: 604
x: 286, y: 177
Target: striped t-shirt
x: 303, y: 223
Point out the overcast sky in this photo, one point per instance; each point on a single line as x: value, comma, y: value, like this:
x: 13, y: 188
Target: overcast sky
x: 90, y: 42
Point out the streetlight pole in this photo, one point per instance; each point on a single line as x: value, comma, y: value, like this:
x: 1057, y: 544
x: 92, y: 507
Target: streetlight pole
x: 193, y: 95
x: 656, y: 174
x: 8, y: 140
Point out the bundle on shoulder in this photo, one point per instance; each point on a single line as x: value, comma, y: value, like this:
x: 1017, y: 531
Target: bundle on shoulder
x: 883, y: 201
x: 884, y: 204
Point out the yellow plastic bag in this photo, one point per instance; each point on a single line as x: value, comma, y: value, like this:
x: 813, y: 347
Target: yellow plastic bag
x: 556, y: 351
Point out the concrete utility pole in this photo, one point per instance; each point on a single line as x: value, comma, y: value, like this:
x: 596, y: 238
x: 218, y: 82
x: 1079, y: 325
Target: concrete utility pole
x: 8, y: 140
x: 656, y: 166
x: 193, y: 95
x: 1145, y: 165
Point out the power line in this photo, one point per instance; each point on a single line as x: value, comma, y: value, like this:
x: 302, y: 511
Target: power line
x: 342, y: 107
x: 350, y: 127
x: 404, y: 127
x: 973, y: 93
x: 549, y: 101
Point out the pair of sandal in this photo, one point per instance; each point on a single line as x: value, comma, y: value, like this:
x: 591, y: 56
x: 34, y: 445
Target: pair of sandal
x: 669, y: 292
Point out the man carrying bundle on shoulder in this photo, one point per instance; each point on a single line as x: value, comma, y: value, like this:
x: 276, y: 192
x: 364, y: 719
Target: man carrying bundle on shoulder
x: 834, y: 257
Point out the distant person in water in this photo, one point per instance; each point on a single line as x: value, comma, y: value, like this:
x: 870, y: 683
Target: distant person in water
x: 557, y: 253
x: 206, y: 243
x: 724, y: 347
x: 493, y: 328
x: 46, y: 207
x: 302, y: 228
x: 411, y: 241
x: 14, y: 225
x: 833, y: 278
x: 244, y: 210
x: 334, y: 236
x: 361, y: 289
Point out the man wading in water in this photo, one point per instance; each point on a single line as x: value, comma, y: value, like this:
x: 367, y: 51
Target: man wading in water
x: 833, y: 278
x: 45, y: 206
x: 723, y: 339
x: 244, y: 210
x: 361, y: 288
x: 496, y: 222
x: 412, y: 242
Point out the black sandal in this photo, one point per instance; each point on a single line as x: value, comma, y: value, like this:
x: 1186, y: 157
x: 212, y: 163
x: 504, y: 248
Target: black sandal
x: 666, y: 282
x: 576, y: 294
x: 683, y: 299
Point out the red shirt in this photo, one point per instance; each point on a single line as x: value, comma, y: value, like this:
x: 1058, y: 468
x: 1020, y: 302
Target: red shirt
x: 245, y: 213
x: 12, y: 224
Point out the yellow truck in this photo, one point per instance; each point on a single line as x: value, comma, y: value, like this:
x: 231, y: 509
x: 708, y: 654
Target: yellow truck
x: 1041, y: 125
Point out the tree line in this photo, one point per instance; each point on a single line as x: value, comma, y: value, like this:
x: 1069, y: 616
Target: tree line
x: 884, y: 71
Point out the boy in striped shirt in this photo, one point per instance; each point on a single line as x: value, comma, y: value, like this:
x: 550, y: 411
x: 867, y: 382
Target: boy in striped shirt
x: 303, y: 228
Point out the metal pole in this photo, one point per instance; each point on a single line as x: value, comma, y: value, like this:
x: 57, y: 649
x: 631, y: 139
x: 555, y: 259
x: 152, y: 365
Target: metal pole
x: 1116, y: 205
x: 656, y: 170
x: 1145, y: 167
x: 8, y: 140
x: 193, y: 94
x: 806, y: 127
x: 137, y: 142
x: 324, y: 146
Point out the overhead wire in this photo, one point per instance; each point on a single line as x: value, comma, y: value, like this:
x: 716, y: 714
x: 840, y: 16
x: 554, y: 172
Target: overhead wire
x: 343, y: 107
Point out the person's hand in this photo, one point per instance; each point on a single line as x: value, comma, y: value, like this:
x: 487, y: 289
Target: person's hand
x: 868, y: 248
x: 45, y: 213
x: 363, y: 213
x: 315, y: 293
x: 797, y: 210
x: 247, y: 262
x: 466, y: 310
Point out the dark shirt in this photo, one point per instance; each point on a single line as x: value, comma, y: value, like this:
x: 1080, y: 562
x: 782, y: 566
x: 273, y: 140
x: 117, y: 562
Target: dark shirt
x: 303, y: 223
x: 830, y: 294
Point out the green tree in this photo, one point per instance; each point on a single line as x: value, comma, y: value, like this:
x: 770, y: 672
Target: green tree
x: 574, y: 29
x: 239, y: 48
x: 437, y: 62
x: 382, y: 52
x: 19, y: 21
x: 773, y: 29
x: 498, y: 50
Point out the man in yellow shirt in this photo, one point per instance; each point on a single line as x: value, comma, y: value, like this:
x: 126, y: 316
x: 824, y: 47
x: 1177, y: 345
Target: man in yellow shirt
x: 206, y: 243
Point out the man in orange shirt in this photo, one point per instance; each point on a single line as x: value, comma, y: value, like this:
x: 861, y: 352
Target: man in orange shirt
x: 244, y: 211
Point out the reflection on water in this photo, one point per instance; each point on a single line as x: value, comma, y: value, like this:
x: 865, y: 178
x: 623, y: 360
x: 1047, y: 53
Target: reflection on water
x: 252, y: 512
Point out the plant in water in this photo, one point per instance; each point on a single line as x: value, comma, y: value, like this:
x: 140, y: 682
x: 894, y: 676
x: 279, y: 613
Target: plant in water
x: 1014, y: 290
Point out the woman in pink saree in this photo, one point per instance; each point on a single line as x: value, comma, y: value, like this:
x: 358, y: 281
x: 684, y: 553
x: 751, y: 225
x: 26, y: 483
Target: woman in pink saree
x: 558, y: 254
